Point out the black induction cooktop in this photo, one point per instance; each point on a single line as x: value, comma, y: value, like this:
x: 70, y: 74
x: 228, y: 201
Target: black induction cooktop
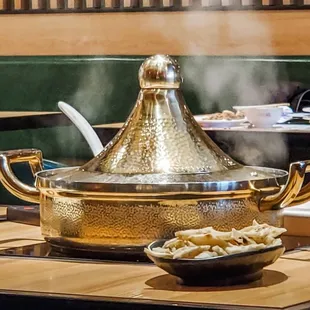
x: 45, y: 250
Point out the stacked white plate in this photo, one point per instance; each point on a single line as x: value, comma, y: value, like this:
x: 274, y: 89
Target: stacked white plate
x: 205, y: 123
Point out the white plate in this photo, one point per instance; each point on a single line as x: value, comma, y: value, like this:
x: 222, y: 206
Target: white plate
x: 298, y: 115
x: 264, y: 106
x: 307, y: 109
x: 219, y: 123
x: 304, y: 116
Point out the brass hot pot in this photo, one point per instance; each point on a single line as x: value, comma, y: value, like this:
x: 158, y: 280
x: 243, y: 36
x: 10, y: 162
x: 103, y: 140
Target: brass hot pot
x: 161, y: 173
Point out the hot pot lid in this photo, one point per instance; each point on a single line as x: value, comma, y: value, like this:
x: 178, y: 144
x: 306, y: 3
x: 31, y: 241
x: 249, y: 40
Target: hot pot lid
x: 160, y: 147
x: 246, y: 178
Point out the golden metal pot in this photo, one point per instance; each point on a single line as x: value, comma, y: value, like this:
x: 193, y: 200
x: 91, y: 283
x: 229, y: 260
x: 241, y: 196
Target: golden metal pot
x: 161, y: 173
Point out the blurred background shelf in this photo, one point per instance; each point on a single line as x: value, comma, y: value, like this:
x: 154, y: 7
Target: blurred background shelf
x: 17, y: 120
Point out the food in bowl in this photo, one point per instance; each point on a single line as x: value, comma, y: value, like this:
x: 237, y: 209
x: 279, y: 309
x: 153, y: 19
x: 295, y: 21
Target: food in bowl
x: 262, y: 116
x: 209, y: 243
x: 225, y: 115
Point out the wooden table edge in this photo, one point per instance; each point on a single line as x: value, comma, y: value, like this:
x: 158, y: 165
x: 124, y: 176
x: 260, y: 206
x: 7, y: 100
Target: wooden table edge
x: 10, y: 297
x: 13, y: 297
x: 122, y: 302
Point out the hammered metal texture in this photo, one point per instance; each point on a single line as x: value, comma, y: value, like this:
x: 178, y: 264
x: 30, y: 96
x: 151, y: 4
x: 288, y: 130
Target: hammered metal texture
x: 161, y: 137
x: 136, y: 224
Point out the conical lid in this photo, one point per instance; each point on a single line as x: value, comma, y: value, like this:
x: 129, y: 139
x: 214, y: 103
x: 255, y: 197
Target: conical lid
x: 161, y: 144
x: 161, y: 135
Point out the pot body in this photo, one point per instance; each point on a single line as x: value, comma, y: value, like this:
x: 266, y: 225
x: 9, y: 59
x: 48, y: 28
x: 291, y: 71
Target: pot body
x: 80, y: 213
x: 78, y: 222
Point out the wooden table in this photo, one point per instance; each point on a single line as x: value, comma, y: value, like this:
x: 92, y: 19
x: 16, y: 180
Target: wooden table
x: 48, y: 283
x: 16, y: 120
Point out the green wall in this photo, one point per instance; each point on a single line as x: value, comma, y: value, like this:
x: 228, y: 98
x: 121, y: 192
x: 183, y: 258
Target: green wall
x: 104, y: 90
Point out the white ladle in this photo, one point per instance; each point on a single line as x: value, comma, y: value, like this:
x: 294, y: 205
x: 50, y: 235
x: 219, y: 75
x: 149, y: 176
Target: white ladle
x: 83, y: 126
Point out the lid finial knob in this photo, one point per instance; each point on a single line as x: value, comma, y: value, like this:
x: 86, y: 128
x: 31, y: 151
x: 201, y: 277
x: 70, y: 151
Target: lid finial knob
x: 160, y: 71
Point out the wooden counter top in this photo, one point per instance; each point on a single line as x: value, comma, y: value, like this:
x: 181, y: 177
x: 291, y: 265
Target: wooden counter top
x: 17, y: 235
x: 10, y: 114
x: 285, y: 284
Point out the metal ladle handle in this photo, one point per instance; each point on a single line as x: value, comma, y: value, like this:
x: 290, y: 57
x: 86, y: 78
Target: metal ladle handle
x: 83, y: 126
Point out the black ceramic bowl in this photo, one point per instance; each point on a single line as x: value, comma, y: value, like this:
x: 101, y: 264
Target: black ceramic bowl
x: 232, y: 269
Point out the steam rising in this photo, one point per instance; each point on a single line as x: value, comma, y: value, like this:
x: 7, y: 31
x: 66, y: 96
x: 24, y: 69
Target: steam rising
x: 258, y: 149
x: 93, y: 93
x: 218, y: 83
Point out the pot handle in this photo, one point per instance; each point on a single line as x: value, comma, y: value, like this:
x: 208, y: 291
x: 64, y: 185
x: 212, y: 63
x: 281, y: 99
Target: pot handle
x: 11, y: 182
x: 292, y: 191
x: 303, y: 196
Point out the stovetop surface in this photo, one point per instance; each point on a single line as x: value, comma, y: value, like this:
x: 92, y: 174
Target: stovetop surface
x: 45, y: 250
